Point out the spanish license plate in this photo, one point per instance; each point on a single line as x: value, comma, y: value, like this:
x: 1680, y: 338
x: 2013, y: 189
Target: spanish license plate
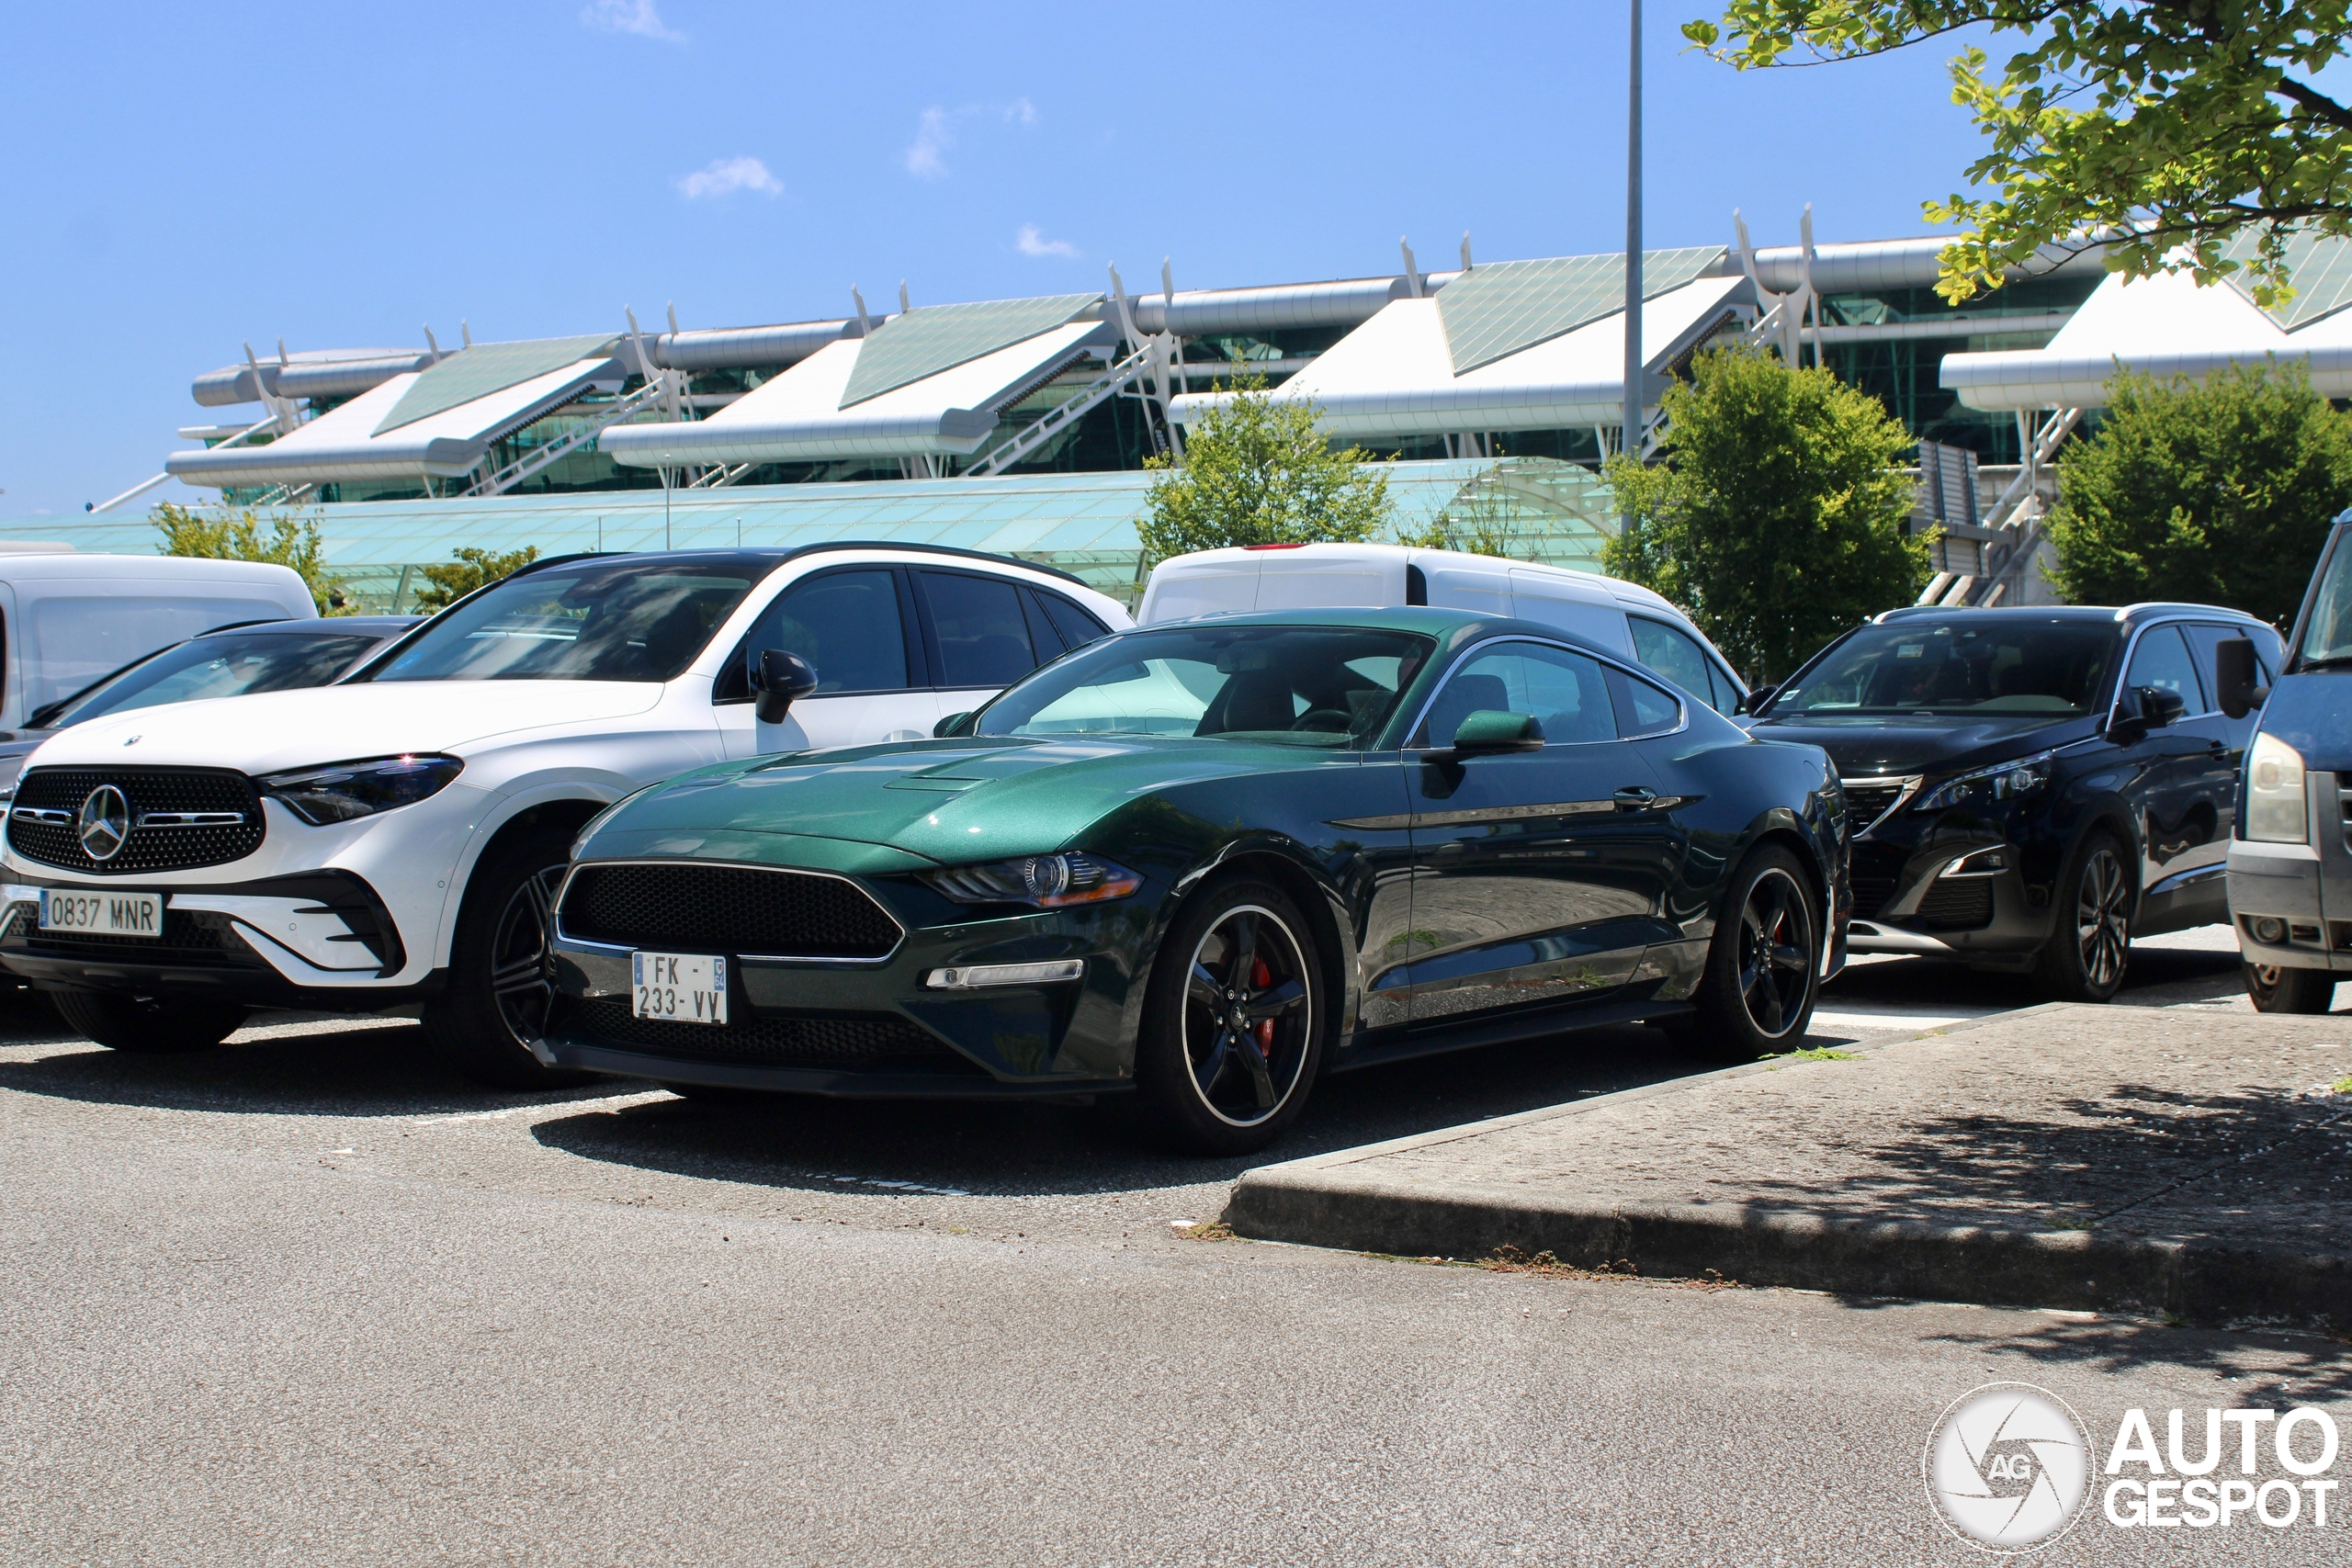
x: 678, y: 988
x: 102, y: 914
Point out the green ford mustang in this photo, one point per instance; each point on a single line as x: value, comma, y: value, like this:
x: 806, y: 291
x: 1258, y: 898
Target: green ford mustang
x: 1202, y: 864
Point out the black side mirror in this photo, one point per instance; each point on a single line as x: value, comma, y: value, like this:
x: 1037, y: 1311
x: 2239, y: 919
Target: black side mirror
x: 1755, y: 700
x: 779, y: 678
x: 952, y: 726
x: 2161, y: 706
x: 2130, y: 725
x: 1488, y: 732
x: 2237, y: 678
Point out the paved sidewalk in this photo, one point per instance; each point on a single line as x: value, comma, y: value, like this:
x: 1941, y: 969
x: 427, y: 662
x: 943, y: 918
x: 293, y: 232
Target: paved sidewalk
x: 2186, y: 1161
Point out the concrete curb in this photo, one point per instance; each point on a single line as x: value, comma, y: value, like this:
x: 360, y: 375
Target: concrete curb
x: 1318, y: 1202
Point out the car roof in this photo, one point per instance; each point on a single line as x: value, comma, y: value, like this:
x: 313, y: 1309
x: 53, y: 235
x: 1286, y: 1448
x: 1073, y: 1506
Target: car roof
x: 325, y: 626
x: 1448, y: 626
x: 2085, y: 615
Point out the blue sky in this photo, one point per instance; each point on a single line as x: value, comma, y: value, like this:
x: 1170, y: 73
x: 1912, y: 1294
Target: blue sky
x: 181, y: 179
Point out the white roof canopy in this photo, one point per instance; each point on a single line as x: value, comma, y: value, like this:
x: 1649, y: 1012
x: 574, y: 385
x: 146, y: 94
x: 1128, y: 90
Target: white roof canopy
x: 1394, y: 376
x: 348, y: 445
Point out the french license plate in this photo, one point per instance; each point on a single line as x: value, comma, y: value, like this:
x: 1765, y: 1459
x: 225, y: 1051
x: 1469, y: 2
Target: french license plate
x: 678, y: 988
x: 102, y: 914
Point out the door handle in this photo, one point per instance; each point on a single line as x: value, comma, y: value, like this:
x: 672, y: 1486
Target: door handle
x: 1636, y: 798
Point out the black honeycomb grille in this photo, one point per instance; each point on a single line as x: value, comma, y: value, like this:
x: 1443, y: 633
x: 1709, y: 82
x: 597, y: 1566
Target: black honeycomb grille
x: 1958, y: 904
x: 148, y: 849
x: 854, y: 1043
x: 726, y: 908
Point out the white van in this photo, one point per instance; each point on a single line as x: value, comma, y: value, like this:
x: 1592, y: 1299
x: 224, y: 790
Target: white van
x: 67, y: 620
x: 1622, y: 617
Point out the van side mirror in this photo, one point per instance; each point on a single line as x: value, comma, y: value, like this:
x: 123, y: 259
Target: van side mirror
x: 1755, y: 700
x: 2238, y: 677
x: 1488, y: 732
x: 779, y: 678
x: 952, y: 726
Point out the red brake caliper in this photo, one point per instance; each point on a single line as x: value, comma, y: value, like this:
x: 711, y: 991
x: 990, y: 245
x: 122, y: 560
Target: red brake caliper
x: 1259, y: 977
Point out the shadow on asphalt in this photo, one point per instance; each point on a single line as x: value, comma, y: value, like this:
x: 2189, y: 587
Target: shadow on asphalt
x: 1004, y: 1149
x: 2314, y: 1369
x: 2158, y: 976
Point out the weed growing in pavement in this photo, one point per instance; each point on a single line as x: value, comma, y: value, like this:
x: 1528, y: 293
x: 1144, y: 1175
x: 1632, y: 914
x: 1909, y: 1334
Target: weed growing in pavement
x: 2342, y: 1085
x: 2069, y: 1223
x: 1547, y: 1265
x: 1810, y: 1054
x: 1212, y: 1230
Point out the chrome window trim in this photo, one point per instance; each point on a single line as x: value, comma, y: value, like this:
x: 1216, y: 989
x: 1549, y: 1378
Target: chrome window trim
x: 1681, y: 706
x: 563, y: 890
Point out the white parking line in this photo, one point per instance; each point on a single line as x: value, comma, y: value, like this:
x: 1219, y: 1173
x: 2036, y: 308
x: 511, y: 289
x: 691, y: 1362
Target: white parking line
x: 1865, y: 1017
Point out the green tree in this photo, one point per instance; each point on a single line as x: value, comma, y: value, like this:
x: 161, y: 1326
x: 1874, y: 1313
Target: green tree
x: 234, y: 535
x: 1776, y: 519
x: 1258, y: 471
x: 2218, y: 493
x: 2169, y: 123
x: 468, y: 570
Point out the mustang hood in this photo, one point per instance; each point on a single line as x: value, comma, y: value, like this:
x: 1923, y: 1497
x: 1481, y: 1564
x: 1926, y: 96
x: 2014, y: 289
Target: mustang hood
x: 268, y: 731
x: 1903, y: 743
x: 945, y: 800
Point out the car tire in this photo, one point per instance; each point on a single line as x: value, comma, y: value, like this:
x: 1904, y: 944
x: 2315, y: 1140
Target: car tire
x: 2279, y: 988
x: 1224, y: 1064
x: 495, y: 996
x: 1763, y: 971
x: 148, y: 1026
x: 2089, y: 949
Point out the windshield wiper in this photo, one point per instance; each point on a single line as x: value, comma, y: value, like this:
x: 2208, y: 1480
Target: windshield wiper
x: 2331, y: 661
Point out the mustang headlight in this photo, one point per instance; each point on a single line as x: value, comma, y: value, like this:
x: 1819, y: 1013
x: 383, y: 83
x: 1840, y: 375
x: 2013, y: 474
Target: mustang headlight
x: 2273, y: 792
x: 338, y: 794
x: 1050, y: 882
x: 1989, y: 786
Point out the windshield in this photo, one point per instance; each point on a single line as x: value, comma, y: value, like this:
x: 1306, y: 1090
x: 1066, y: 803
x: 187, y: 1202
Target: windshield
x: 600, y: 620
x: 1289, y: 686
x: 1970, y: 664
x: 226, y: 665
x: 2329, y: 635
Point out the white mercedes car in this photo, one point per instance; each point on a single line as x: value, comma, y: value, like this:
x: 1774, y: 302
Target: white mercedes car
x: 393, y: 840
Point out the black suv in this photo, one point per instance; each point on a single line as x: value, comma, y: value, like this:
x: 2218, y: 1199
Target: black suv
x: 2014, y: 803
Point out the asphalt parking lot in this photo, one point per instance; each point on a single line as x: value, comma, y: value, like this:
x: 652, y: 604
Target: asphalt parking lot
x: 306, y: 1299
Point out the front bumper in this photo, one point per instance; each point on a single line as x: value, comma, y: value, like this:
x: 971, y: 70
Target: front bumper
x: 874, y: 1028
x: 310, y: 940
x: 1920, y: 889
x: 2305, y: 888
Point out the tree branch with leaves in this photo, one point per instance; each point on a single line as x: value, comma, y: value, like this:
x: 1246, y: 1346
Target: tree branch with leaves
x: 1258, y: 470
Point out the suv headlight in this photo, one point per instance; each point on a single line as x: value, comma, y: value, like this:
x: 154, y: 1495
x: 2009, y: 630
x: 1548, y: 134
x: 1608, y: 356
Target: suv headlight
x: 2275, y: 813
x: 345, y: 789
x: 1050, y: 882
x: 1989, y: 786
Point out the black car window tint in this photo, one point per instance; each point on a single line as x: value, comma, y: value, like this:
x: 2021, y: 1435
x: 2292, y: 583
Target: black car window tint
x: 2162, y: 660
x: 1671, y: 652
x: 1042, y: 633
x: 1975, y: 659
x: 2205, y: 636
x: 601, y: 620
x: 1566, y: 693
x: 1078, y: 628
x: 845, y: 623
x: 1727, y: 692
x: 221, y: 666
x: 983, y: 637
x: 1645, y: 709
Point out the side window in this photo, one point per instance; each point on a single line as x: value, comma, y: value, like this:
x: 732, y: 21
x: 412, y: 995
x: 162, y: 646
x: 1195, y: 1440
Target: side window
x: 2205, y: 636
x: 2162, y: 660
x: 983, y: 637
x: 1727, y: 692
x: 1078, y: 628
x: 1642, y: 708
x: 846, y: 624
x: 1669, y: 650
x: 1566, y: 693
x: 1041, y: 628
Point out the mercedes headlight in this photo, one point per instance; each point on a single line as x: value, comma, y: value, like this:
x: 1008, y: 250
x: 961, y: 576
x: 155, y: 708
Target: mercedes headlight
x: 2275, y: 813
x: 1050, y: 882
x: 347, y: 790
x: 1987, y: 787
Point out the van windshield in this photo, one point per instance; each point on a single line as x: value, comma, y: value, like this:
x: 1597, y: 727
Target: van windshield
x: 1328, y: 686
x: 2328, y: 638
x: 598, y: 620
x: 1972, y: 663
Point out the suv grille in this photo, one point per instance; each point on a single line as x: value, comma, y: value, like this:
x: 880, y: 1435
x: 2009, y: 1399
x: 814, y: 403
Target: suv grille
x: 856, y: 1042
x: 1867, y: 800
x: 1958, y: 904
x: 1871, y: 892
x: 732, y: 909
x: 149, y: 792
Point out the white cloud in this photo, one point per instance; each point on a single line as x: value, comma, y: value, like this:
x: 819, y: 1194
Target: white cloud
x: 931, y: 139
x: 726, y: 176
x: 640, y: 17
x: 1021, y: 111
x: 1030, y: 243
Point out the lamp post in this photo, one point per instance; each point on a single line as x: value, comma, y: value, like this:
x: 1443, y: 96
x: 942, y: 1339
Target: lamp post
x: 1630, y: 441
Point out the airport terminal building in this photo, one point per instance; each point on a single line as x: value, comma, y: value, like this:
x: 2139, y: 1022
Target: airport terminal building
x: 1490, y: 393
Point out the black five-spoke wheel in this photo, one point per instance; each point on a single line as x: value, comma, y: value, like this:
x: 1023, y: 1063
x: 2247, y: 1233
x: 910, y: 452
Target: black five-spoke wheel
x: 518, y: 956
x: 1247, y: 1017
x: 1756, y: 995
x: 1776, y: 951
